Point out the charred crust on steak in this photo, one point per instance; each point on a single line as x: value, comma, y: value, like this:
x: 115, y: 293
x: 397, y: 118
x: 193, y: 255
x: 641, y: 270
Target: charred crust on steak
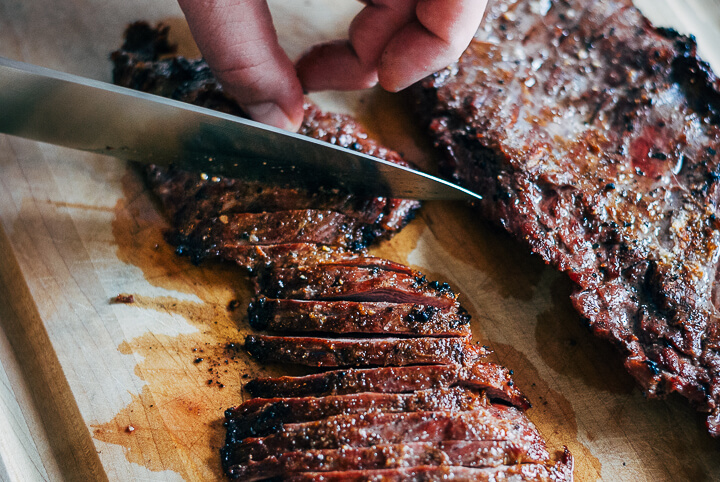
x: 350, y: 317
x: 359, y: 352
x: 593, y: 138
x: 260, y: 417
x: 492, y: 379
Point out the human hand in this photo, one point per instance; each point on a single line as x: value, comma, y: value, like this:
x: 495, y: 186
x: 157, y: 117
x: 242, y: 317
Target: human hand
x: 391, y: 42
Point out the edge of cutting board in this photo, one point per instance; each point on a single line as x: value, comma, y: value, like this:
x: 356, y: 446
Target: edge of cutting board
x: 68, y: 436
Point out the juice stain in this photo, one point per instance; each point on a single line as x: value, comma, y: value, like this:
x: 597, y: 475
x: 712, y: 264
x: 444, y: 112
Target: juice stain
x: 175, y: 422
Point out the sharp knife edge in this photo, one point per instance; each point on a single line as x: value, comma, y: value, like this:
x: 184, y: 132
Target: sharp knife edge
x: 70, y: 111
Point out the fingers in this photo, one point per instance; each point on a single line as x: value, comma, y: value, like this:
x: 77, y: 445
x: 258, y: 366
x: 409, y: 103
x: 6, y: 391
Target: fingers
x: 334, y: 66
x: 395, y: 43
x: 443, y: 30
x: 352, y: 64
x: 376, y: 24
x: 239, y: 42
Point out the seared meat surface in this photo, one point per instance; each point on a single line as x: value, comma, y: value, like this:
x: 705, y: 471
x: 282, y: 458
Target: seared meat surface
x: 593, y: 137
x: 215, y: 216
x: 353, y: 317
x: 496, y: 422
x: 352, y: 283
x: 494, y: 380
x: 513, y: 473
x: 360, y: 352
x: 260, y: 416
x: 391, y: 456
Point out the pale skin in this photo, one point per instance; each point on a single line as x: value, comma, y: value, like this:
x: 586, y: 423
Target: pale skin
x: 393, y: 43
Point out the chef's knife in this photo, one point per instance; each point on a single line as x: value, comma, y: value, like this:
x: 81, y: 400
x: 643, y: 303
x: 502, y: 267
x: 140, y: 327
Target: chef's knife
x: 71, y: 111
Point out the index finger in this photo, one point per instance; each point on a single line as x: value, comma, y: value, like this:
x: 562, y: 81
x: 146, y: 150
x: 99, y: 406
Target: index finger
x: 441, y: 32
x: 239, y: 42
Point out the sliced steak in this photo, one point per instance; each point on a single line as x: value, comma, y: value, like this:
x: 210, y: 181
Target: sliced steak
x: 218, y: 235
x: 514, y: 473
x: 253, y: 256
x: 385, y: 456
x: 494, y: 380
x: 344, y: 352
x: 192, y: 199
x: 595, y: 139
x: 370, y: 262
x: 352, y: 317
x: 492, y: 423
x: 261, y: 416
x: 354, y: 283
x: 306, y: 248
x: 301, y: 254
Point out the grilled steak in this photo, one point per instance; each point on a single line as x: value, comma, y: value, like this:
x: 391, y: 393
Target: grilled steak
x: 594, y: 138
x: 189, y: 201
x: 344, y: 352
x: 350, y: 317
x: 351, y: 283
x: 200, y: 207
x: 261, y: 416
x: 495, y: 422
x: 515, y: 473
x: 253, y: 256
x: 311, y: 226
x: 380, y: 457
x: 494, y: 380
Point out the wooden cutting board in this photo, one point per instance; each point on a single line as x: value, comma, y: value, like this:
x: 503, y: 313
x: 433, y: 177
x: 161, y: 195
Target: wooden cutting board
x: 91, y: 389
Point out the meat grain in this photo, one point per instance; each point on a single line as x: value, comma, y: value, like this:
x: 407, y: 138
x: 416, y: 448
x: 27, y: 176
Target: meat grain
x: 494, y: 380
x: 205, y: 210
x: 353, y: 317
x: 360, y: 352
x: 594, y: 138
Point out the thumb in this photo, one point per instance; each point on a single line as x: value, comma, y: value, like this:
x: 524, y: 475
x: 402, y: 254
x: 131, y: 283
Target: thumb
x: 239, y: 43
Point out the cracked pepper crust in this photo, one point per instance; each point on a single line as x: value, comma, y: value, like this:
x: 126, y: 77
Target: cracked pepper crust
x: 594, y: 138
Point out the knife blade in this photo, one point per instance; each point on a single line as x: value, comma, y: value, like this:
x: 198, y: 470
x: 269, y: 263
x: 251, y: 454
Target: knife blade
x: 71, y: 111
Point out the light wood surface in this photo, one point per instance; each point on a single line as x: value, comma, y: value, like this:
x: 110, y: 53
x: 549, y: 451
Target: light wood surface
x: 95, y: 390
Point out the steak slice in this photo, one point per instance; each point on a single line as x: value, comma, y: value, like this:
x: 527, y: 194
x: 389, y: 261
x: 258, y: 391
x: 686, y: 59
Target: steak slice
x: 492, y: 423
x: 494, y: 380
x: 359, y: 352
x: 261, y: 416
x: 193, y: 199
x: 253, y: 256
x: 352, y: 317
x: 370, y: 262
x: 190, y: 199
x: 301, y: 254
x: 354, y: 283
x: 594, y: 138
x: 515, y: 473
x: 390, y: 456
x: 223, y: 233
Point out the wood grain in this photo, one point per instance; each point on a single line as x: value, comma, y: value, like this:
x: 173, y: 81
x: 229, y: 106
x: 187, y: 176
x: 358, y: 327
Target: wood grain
x: 93, y: 390
x: 23, y: 445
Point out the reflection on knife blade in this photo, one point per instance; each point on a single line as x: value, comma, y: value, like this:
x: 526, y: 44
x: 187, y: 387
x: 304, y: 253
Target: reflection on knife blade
x: 79, y: 113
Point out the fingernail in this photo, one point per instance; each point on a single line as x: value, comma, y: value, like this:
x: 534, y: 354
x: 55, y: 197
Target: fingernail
x: 269, y: 113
